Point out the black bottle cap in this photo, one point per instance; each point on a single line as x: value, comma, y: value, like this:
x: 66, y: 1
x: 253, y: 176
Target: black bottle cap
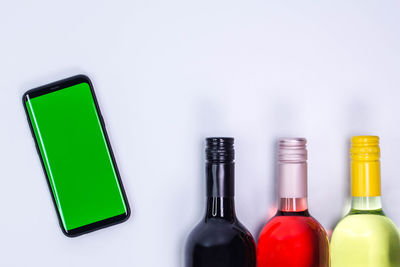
x: 220, y: 149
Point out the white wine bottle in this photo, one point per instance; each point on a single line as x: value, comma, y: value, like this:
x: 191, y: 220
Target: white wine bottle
x: 365, y: 237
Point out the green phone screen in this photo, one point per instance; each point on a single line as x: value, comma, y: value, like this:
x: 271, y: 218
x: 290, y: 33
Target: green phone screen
x: 76, y: 156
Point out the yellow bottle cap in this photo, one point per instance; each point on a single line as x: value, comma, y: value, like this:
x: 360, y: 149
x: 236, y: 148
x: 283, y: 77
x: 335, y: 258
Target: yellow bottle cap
x: 365, y: 166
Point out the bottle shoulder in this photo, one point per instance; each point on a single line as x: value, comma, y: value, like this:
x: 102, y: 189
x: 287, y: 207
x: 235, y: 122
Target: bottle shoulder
x: 362, y: 224
x: 365, y: 240
x: 293, y: 241
x: 293, y: 226
x: 217, y: 231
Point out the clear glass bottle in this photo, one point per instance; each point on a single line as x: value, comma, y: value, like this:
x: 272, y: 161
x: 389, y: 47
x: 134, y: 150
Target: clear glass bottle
x: 292, y: 238
x: 365, y: 237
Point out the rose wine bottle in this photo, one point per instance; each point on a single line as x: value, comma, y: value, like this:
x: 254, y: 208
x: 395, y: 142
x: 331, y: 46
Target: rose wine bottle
x: 292, y: 238
x: 220, y: 240
x: 365, y: 237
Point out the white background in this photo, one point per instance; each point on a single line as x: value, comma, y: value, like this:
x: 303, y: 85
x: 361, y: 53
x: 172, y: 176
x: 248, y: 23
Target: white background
x: 170, y: 73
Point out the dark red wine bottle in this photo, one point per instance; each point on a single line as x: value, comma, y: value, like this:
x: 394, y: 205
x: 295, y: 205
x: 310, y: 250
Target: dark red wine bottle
x: 220, y: 240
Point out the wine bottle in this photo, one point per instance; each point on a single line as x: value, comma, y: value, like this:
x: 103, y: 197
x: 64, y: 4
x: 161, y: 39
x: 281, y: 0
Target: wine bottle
x: 365, y: 237
x: 292, y: 238
x: 220, y: 240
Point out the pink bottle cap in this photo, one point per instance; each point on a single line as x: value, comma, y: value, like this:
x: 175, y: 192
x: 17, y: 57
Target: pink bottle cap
x: 292, y: 168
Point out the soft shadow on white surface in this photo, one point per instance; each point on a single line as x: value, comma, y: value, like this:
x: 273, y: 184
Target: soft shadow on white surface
x: 168, y: 74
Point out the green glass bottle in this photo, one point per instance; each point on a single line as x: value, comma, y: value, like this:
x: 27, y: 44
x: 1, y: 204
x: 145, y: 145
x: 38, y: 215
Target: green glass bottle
x: 365, y: 237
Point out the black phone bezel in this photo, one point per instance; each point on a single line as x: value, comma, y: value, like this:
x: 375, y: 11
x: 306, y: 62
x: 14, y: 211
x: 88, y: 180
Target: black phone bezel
x: 59, y: 85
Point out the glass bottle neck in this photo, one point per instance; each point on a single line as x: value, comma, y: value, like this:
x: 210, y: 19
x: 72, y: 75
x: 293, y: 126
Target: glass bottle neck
x: 366, y: 203
x: 221, y: 208
x: 365, y: 184
x: 292, y: 187
x: 220, y: 179
x: 365, y: 178
x: 220, y: 191
x: 292, y: 204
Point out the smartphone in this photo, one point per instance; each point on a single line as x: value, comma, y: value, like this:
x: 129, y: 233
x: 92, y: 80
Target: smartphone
x: 76, y: 155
